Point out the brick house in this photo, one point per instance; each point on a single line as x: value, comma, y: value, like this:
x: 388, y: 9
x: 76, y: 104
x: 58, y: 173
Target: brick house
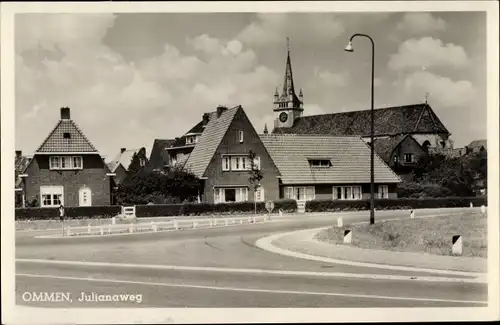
x: 67, y: 169
x: 327, y: 167
x: 121, y: 163
x: 393, y: 124
x: 220, y: 159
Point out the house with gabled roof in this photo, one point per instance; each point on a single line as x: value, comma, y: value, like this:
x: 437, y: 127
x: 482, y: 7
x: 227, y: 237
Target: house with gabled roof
x: 67, y: 169
x: 121, y: 163
x: 476, y: 146
x: 20, y: 164
x: 220, y: 159
x: 324, y: 167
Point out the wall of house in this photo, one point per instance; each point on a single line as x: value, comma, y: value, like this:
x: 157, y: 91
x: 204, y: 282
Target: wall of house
x: 434, y: 140
x: 230, y: 144
x: 407, y: 146
x: 121, y: 174
x: 325, y: 191
x: 93, y: 176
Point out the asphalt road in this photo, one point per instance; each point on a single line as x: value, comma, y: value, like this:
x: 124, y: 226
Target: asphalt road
x: 219, y: 267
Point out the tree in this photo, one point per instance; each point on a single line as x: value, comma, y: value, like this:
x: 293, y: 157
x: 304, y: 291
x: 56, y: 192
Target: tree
x: 173, y: 186
x: 255, y: 176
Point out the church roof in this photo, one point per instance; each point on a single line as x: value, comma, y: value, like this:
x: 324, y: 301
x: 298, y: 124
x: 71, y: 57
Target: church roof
x: 390, y: 121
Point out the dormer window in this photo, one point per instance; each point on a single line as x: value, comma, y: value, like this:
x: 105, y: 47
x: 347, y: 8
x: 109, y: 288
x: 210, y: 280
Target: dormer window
x: 66, y: 135
x: 320, y: 163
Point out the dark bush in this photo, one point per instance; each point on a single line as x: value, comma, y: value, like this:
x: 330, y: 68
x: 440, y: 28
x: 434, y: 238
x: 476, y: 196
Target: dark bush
x: 393, y: 204
x: 69, y: 212
x: 286, y: 205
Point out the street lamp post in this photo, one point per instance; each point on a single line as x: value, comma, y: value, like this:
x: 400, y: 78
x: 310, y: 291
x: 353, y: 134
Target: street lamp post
x: 372, y: 130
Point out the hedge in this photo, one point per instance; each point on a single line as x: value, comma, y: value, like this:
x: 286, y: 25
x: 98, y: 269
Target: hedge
x: 402, y: 203
x: 69, y: 212
x: 156, y: 210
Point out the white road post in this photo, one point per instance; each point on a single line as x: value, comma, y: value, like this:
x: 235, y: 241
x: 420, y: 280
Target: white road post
x: 89, y: 229
x: 101, y: 230
x: 471, y: 205
x: 109, y: 230
x: 483, y: 209
x: 347, y: 236
x: 176, y: 224
x: 253, y: 219
x: 195, y: 224
x: 113, y: 221
x: 340, y: 222
x: 241, y: 221
x: 412, y: 214
x: 130, y: 229
x: 155, y: 227
x: 456, y: 245
x: 281, y: 212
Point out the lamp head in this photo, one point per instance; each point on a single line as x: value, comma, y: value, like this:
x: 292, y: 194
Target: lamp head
x: 348, y: 48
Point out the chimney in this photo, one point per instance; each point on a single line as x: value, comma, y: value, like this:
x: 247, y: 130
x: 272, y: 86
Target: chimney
x: 220, y: 110
x: 206, y: 117
x: 122, y: 150
x: 19, y: 153
x: 65, y: 114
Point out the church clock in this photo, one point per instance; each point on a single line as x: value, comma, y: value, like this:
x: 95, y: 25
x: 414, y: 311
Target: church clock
x: 283, y: 117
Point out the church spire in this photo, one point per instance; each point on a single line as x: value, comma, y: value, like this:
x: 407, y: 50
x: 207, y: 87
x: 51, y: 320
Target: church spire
x: 288, y: 87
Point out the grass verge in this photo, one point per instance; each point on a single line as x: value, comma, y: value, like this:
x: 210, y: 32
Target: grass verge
x: 425, y: 235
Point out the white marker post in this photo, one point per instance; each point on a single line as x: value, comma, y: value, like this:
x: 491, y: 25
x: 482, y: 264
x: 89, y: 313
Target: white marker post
x: 281, y: 212
x: 456, y: 245
x: 471, y: 205
x: 130, y: 229
x: 227, y: 223
x: 483, y: 209
x: 253, y: 219
x: 113, y: 221
x: 412, y: 214
x: 340, y: 223
x: 195, y: 224
x: 101, y: 230
x: 176, y: 225
x: 89, y: 229
x: 109, y: 230
x: 241, y: 221
x: 155, y: 227
x: 347, y: 236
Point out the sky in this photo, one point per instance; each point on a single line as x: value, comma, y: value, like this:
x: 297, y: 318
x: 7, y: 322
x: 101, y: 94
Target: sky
x: 134, y: 77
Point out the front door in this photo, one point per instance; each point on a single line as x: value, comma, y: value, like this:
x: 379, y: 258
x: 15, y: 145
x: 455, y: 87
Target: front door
x: 85, y: 195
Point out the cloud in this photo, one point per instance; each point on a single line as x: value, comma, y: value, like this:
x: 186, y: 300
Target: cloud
x: 421, y: 23
x: 444, y: 92
x: 128, y: 104
x: 329, y: 79
x: 52, y: 30
x: 274, y: 28
x: 428, y: 52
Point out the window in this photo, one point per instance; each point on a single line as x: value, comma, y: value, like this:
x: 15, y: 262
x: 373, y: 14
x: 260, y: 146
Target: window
x: 54, y: 163
x: 77, y: 162
x: 240, y: 136
x: 383, y: 191
x: 51, y: 196
x: 324, y: 163
x: 347, y: 193
x: 396, y: 159
x: 235, y: 163
x: 299, y: 193
x: 66, y: 162
x: 408, y: 157
x: 238, y: 194
x: 67, y: 135
x: 226, y: 164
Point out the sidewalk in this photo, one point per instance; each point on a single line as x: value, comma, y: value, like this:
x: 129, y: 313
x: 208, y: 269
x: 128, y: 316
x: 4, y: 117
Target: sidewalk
x: 303, y: 242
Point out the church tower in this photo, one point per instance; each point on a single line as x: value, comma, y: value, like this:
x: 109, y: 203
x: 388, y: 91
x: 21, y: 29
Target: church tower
x: 287, y: 105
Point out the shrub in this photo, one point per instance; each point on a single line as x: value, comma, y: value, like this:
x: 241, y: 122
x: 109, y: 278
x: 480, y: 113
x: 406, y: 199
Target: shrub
x: 401, y: 203
x: 69, y: 212
x: 286, y: 205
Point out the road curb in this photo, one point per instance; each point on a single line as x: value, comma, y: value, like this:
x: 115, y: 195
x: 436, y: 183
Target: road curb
x: 266, y: 243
